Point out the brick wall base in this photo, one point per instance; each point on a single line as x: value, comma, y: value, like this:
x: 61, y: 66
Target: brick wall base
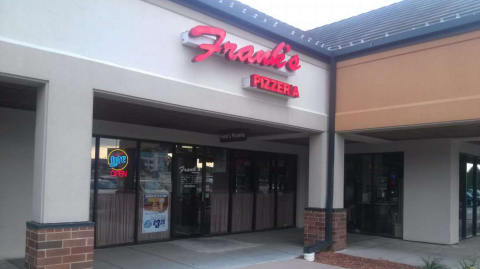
x: 59, y: 245
x: 314, y: 231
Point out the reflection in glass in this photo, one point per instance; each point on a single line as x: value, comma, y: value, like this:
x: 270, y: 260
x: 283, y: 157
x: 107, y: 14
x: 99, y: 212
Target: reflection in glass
x: 115, y: 222
x: 154, y: 195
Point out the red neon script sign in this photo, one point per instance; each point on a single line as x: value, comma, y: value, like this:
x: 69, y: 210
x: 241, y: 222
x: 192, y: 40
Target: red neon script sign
x: 247, y: 55
x: 274, y: 86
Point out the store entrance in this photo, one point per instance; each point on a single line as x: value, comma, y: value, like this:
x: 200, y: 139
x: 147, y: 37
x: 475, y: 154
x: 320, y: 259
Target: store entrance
x: 190, y: 196
x: 146, y: 191
x: 374, y: 193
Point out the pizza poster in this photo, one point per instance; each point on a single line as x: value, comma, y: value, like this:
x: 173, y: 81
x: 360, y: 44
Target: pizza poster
x: 155, y: 213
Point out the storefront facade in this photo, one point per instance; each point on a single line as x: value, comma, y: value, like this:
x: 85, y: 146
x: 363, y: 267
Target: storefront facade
x: 123, y: 130
x: 137, y: 132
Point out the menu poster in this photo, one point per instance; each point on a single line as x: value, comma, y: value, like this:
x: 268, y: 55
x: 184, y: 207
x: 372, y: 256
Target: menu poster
x: 155, y: 213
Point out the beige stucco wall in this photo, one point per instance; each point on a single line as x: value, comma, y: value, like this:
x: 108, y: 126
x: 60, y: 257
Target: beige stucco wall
x: 431, y: 82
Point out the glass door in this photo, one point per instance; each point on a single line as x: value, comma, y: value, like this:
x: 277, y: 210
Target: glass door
x: 189, y: 192
x: 388, y: 171
x: 373, y: 193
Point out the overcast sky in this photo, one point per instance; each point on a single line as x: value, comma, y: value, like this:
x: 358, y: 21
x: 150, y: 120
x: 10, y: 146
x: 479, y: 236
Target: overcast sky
x: 309, y: 14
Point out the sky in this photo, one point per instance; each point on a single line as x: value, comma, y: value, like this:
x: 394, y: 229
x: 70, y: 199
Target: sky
x: 309, y: 14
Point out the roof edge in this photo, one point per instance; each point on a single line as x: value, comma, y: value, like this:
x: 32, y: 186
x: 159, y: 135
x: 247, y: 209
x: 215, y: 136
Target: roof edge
x: 220, y: 9
x: 297, y: 38
x: 424, y: 34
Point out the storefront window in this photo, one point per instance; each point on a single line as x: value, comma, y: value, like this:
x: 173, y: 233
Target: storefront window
x: 265, y: 202
x: 286, y: 175
x: 116, y: 184
x: 242, y: 197
x: 216, y: 191
x: 154, y: 195
x: 149, y: 191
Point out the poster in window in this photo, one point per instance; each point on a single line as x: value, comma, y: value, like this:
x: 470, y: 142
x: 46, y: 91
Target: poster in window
x: 155, y: 213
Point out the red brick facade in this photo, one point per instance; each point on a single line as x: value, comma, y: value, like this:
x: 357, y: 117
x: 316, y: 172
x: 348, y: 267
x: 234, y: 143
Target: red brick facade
x: 59, y: 248
x: 314, y: 231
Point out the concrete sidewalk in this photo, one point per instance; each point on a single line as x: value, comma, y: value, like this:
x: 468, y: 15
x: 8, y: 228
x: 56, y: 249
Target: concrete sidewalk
x: 411, y: 253
x: 293, y: 263
x: 218, y: 252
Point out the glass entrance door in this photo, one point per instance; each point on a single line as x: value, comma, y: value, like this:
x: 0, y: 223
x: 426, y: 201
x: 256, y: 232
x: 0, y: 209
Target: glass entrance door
x: 189, y: 192
x: 373, y: 193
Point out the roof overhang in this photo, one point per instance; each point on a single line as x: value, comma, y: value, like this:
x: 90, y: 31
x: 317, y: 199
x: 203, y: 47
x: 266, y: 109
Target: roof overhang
x: 436, y: 31
x: 223, y: 10
x: 299, y: 40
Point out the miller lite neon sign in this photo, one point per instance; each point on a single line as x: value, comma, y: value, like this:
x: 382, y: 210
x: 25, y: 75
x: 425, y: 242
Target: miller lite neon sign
x: 275, y: 58
x: 117, y: 160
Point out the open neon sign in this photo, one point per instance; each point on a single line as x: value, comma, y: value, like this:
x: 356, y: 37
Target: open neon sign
x: 117, y: 160
x: 274, y: 58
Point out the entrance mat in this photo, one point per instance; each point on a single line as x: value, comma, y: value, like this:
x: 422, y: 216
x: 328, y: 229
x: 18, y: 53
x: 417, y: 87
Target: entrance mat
x: 212, y: 245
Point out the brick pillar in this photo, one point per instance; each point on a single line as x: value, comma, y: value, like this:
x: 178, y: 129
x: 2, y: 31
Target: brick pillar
x: 339, y: 230
x: 314, y: 226
x: 314, y: 230
x: 59, y: 245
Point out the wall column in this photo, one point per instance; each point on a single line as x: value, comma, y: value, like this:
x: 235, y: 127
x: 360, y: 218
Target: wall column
x: 317, y: 171
x: 60, y: 234
x: 315, y: 213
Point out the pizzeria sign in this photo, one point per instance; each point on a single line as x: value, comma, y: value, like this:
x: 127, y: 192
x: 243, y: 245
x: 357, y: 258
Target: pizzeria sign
x: 211, y: 41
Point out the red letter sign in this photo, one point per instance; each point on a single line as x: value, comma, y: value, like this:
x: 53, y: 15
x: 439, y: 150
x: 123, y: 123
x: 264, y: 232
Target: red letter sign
x: 272, y: 86
x: 274, y: 58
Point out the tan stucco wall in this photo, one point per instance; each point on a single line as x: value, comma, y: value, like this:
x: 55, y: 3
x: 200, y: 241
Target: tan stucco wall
x: 432, y: 82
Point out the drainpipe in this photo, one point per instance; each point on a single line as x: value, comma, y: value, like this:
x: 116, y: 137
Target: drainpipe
x: 309, y: 251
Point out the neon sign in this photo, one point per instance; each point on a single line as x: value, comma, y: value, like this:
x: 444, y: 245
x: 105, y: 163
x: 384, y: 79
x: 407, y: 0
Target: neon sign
x: 274, y: 58
x: 268, y: 85
x: 117, y: 160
